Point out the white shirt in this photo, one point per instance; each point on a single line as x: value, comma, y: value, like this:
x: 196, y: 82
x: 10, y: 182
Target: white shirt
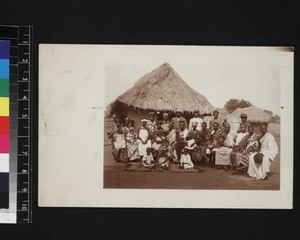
x: 199, y: 122
x: 269, y: 146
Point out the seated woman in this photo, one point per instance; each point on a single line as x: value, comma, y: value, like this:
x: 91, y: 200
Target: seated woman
x: 239, y: 145
x: 222, y: 154
x: 118, y: 143
x: 260, y: 162
x: 132, y: 145
x: 242, y: 160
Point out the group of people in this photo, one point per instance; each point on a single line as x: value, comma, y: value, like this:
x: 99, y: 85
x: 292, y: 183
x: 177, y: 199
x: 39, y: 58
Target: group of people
x: 157, y: 144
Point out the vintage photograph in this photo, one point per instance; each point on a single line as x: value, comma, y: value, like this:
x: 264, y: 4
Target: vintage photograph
x: 193, y: 118
x: 139, y: 125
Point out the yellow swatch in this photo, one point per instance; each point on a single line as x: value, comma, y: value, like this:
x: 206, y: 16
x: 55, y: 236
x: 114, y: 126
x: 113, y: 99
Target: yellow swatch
x: 4, y: 106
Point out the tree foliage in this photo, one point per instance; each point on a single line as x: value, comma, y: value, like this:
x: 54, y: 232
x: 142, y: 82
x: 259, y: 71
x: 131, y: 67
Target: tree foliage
x: 233, y: 104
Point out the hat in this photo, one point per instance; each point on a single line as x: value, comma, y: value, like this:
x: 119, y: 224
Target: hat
x: 165, y: 114
x: 151, y: 113
x: 178, y: 110
x: 243, y: 115
x: 144, y: 120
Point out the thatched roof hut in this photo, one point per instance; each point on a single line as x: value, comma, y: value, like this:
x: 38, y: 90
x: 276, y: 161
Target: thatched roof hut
x: 160, y: 90
x: 255, y: 115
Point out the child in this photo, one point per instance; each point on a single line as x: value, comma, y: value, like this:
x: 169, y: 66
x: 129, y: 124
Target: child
x: 148, y: 161
x: 185, y: 160
x: 163, y: 159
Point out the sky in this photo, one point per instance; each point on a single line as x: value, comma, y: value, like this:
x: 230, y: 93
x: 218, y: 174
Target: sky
x: 218, y: 73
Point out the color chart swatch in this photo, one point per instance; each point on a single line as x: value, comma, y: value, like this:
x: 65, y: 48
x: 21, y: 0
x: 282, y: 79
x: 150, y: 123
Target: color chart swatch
x: 4, y: 124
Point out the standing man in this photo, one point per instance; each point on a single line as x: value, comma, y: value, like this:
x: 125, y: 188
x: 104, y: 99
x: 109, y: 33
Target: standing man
x: 151, y: 123
x: 244, y: 121
x: 181, y: 135
x: 196, y: 119
x: 165, y: 122
x: 215, y: 119
x: 176, y: 120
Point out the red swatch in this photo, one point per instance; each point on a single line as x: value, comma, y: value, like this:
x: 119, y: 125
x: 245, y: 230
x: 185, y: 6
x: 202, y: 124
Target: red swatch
x: 4, y: 125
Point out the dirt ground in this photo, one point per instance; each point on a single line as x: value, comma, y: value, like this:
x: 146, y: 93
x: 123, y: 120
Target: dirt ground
x: 207, y: 178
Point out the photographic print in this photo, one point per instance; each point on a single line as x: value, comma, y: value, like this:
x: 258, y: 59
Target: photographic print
x: 137, y: 126
x: 209, y: 120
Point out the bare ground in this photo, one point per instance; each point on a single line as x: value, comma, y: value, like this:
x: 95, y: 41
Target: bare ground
x: 207, y: 178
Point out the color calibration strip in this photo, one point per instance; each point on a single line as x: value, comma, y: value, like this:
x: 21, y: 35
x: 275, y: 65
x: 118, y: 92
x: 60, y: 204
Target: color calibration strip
x: 4, y: 124
x: 17, y: 97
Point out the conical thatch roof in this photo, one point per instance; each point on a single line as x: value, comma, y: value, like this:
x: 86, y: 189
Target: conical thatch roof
x: 163, y: 89
x: 254, y: 114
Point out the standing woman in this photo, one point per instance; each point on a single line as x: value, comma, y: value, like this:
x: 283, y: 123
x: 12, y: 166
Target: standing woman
x: 144, y: 138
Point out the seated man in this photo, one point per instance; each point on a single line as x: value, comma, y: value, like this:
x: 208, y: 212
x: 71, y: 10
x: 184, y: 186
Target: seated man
x: 222, y: 154
x: 205, y: 141
x: 260, y: 162
x: 242, y: 159
x: 181, y: 135
x: 157, y: 139
x: 192, y: 136
x: 216, y: 134
x: 239, y: 145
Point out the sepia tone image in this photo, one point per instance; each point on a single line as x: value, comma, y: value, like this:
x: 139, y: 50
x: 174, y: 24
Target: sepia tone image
x: 193, y: 118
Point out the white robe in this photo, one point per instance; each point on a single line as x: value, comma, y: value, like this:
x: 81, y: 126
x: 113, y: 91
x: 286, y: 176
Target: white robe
x: 223, y: 153
x: 143, y: 134
x: 269, y: 149
x: 186, y: 160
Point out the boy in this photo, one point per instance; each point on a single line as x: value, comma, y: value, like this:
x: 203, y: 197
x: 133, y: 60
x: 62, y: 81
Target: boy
x: 148, y: 160
x: 163, y: 159
x: 185, y: 160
